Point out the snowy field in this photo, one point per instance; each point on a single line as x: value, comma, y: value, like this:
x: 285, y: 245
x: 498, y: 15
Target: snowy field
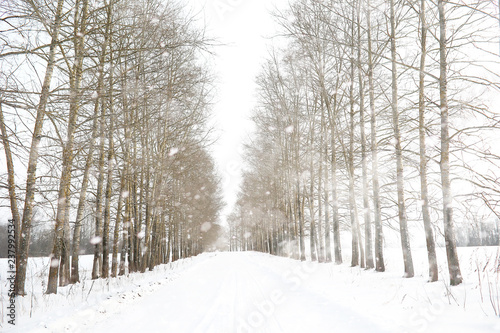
x: 254, y: 292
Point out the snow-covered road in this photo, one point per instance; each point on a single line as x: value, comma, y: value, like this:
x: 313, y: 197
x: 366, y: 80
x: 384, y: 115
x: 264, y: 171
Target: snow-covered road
x: 256, y: 292
x: 237, y: 292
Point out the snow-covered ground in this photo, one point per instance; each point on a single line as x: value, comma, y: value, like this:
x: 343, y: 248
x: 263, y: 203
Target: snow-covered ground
x: 254, y: 292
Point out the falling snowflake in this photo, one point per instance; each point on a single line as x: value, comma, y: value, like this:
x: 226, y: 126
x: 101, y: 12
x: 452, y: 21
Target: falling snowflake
x: 95, y: 240
x: 205, y: 227
x: 54, y: 262
x: 173, y: 151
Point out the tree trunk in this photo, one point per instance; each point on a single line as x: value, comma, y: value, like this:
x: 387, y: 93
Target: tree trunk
x: 355, y: 259
x: 321, y: 256
x: 125, y: 232
x: 301, y: 226
x: 169, y: 240
x: 335, y: 206
x: 312, y: 228
x: 25, y: 231
x: 379, y: 237
x: 64, y: 268
x: 108, y: 194
x: 149, y: 218
x: 328, y: 247
x: 405, y: 238
x: 130, y: 230
x: 75, y: 276
x: 312, y: 224
x: 126, y: 174
x: 116, y: 232
x: 97, y: 265
x: 110, y: 157
x: 12, y: 186
x: 60, y: 253
x: 332, y: 111
x: 366, y: 202
x: 449, y: 232
x: 355, y: 243
x: 153, y: 259
x: 429, y: 235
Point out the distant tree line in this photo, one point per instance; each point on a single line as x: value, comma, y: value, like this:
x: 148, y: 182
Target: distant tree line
x: 479, y: 233
x: 373, y: 115
x: 103, y: 117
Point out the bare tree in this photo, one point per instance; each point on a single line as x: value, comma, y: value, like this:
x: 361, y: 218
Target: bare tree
x: 449, y: 232
x: 403, y: 223
x: 34, y: 150
x: 424, y: 194
x: 379, y: 250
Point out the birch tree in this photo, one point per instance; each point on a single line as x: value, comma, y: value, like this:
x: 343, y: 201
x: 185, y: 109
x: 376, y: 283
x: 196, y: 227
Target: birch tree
x: 26, y: 223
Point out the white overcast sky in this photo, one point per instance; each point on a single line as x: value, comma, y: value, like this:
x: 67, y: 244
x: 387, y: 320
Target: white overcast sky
x: 244, y: 27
